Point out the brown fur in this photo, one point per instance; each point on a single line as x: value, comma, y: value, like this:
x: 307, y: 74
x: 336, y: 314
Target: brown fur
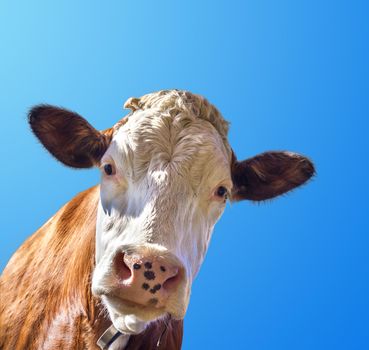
x: 269, y: 174
x: 68, y: 136
x: 46, y: 300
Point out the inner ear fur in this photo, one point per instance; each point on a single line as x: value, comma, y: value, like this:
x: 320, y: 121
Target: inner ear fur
x: 68, y: 136
x: 269, y: 174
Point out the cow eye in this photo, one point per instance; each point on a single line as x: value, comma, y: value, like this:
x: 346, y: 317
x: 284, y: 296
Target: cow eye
x: 109, y: 169
x: 221, y: 192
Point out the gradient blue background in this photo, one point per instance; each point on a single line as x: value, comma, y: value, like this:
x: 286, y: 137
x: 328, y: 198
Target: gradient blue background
x: 287, y: 274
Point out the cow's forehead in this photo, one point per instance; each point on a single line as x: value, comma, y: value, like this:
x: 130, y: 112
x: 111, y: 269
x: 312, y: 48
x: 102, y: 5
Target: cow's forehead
x: 152, y: 140
x: 173, y: 130
x: 176, y: 104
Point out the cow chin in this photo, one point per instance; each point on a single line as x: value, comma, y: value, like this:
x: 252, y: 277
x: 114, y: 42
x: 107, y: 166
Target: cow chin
x: 132, y: 318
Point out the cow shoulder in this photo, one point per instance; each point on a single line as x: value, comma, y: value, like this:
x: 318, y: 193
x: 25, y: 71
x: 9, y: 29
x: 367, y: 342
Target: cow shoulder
x: 52, y: 273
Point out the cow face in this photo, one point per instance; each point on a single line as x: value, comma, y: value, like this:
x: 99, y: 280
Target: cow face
x: 167, y: 172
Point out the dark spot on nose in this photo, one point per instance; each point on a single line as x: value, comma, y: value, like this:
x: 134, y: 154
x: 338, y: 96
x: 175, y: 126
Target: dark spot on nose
x: 145, y: 286
x: 154, y: 289
x: 153, y: 301
x: 162, y: 268
x: 150, y: 275
x: 148, y: 265
x: 136, y: 266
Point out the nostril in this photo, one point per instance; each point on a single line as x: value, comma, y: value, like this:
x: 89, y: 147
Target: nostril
x: 172, y: 282
x: 122, y: 271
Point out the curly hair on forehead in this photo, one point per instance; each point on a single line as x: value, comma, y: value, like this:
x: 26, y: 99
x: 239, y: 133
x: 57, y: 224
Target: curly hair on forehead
x: 179, y: 101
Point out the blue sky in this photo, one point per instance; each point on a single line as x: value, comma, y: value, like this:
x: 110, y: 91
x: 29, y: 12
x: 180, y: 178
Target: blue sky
x: 286, y: 274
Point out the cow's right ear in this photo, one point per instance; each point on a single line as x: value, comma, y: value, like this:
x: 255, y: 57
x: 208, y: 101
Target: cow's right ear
x: 68, y: 136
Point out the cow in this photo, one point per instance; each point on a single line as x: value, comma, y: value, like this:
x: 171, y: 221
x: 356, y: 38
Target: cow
x: 113, y: 268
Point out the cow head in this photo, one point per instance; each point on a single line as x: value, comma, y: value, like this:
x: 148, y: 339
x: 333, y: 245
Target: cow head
x: 167, y: 171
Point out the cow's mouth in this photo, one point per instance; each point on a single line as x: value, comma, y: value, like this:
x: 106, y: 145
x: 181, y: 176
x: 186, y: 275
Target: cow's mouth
x: 151, y: 304
x: 145, y: 312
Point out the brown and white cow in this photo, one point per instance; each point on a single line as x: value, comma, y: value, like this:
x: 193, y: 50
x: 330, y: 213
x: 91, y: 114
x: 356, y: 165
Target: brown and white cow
x: 122, y: 256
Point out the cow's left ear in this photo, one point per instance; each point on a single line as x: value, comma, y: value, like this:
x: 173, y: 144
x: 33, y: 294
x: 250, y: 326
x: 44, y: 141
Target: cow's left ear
x: 269, y: 174
x: 68, y: 136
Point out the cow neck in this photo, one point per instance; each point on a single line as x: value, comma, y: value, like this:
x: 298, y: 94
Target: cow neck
x: 114, y: 339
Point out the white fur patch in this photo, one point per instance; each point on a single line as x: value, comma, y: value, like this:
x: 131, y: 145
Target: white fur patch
x: 168, y: 162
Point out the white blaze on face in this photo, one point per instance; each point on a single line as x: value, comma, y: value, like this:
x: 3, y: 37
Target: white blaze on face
x: 162, y: 194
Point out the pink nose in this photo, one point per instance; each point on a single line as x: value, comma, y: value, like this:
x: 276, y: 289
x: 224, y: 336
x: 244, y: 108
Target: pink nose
x: 146, y: 280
